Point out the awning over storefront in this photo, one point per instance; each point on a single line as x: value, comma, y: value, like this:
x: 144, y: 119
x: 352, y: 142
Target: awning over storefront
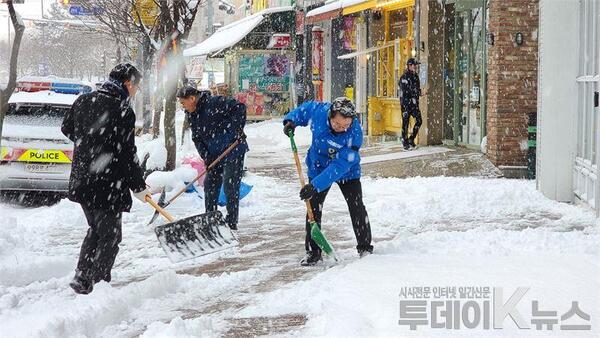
x: 229, y: 35
x: 334, y: 9
x: 390, y: 5
x: 362, y: 6
x: 365, y: 51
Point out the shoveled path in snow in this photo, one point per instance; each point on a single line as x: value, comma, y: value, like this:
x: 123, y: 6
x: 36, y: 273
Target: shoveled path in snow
x: 272, y: 242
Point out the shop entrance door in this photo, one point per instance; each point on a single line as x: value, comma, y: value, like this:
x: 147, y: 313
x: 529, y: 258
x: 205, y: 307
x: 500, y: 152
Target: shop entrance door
x: 466, y: 73
x: 586, y: 184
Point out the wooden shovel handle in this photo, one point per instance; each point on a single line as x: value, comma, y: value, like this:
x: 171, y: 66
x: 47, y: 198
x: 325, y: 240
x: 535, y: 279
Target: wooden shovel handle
x: 206, y: 169
x: 311, y: 216
x: 159, y: 209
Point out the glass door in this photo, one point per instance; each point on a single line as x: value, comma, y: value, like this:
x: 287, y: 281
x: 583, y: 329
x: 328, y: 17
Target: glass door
x: 586, y: 184
x: 465, y: 73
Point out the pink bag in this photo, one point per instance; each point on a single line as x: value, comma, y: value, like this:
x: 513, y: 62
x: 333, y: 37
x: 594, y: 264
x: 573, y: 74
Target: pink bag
x: 197, y: 163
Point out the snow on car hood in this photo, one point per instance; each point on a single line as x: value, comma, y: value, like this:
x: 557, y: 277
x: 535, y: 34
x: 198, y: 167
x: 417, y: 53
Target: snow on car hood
x: 31, y: 133
x: 43, y: 97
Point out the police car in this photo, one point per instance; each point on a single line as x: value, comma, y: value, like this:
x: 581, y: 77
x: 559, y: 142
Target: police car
x: 35, y: 155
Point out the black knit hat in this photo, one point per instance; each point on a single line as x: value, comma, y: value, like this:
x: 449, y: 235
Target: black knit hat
x: 125, y: 71
x: 186, y: 91
x: 412, y: 61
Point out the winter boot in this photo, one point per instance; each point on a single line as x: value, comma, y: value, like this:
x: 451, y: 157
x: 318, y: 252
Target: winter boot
x: 311, y: 258
x: 364, y: 251
x: 105, y: 278
x: 81, y: 284
x: 230, y: 223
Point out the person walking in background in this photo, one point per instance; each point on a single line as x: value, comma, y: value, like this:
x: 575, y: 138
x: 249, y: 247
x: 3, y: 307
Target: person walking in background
x: 410, y: 91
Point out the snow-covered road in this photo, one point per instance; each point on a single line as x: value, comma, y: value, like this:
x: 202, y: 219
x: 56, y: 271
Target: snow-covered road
x: 427, y: 232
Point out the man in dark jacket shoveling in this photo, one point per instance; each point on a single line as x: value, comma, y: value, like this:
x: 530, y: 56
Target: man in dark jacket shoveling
x: 216, y: 122
x: 105, y: 167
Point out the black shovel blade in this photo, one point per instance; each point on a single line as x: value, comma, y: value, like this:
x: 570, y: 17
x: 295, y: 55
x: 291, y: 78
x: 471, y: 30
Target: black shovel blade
x: 195, y: 236
x: 161, y: 203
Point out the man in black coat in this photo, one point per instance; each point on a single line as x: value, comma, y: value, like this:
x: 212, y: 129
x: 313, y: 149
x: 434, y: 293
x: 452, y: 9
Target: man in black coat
x: 216, y: 122
x: 410, y: 91
x: 105, y: 167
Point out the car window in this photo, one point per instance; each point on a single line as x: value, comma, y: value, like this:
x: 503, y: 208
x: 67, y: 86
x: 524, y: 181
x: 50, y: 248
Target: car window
x: 40, y: 115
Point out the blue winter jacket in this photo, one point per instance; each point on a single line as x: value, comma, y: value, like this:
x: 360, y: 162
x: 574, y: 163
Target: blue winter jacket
x: 216, y: 124
x: 332, y: 157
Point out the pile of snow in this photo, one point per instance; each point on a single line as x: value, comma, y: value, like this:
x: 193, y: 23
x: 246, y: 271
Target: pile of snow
x: 267, y: 136
x: 171, y: 180
x: 197, y: 327
x: 154, y: 149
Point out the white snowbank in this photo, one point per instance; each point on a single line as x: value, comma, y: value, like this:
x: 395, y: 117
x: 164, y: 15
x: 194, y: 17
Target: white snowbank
x: 112, y: 311
x: 154, y: 149
x: 198, y: 327
x: 267, y: 136
x: 172, y: 180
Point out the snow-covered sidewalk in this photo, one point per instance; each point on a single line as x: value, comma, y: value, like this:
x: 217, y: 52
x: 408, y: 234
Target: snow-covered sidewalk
x: 436, y: 232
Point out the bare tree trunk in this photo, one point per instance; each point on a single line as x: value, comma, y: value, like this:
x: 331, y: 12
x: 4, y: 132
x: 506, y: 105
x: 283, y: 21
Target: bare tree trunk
x: 148, y: 54
x: 170, y: 102
x: 158, y: 104
x: 14, y: 55
x: 169, y: 122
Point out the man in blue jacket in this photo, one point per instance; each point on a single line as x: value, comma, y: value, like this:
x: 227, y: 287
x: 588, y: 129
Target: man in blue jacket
x: 333, y: 157
x: 216, y: 122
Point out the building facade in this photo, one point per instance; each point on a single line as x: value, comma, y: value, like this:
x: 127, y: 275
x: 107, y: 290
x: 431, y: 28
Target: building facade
x: 569, y: 82
x: 481, y: 66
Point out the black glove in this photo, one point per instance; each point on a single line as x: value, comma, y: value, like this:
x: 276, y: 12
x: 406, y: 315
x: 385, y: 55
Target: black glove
x: 288, y: 126
x: 307, y: 192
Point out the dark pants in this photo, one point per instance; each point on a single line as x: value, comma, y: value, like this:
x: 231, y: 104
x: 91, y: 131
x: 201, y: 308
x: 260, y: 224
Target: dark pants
x: 229, y: 174
x: 100, y: 245
x: 406, y: 114
x: 352, y: 191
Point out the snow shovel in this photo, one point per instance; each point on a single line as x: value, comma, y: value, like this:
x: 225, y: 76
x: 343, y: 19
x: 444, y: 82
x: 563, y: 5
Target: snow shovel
x: 193, y: 236
x: 210, y: 166
x: 315, y: 231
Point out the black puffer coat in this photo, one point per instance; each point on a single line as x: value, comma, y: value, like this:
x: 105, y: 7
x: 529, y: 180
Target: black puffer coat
x: 105, y: 165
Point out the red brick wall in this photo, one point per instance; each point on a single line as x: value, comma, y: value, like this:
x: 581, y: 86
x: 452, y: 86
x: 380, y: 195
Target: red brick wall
x: 512, y: 79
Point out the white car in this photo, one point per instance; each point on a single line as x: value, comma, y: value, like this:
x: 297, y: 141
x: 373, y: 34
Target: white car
x: 35, y: 155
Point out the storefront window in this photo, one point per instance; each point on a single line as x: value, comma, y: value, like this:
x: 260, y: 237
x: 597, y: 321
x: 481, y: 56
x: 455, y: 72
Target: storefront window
x: 264, y: 81
x: 398, y: 24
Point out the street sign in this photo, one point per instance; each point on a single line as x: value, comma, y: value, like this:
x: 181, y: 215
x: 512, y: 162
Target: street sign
x: 278, y: 41
x: 83, y: 11
x: 148, y: 11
